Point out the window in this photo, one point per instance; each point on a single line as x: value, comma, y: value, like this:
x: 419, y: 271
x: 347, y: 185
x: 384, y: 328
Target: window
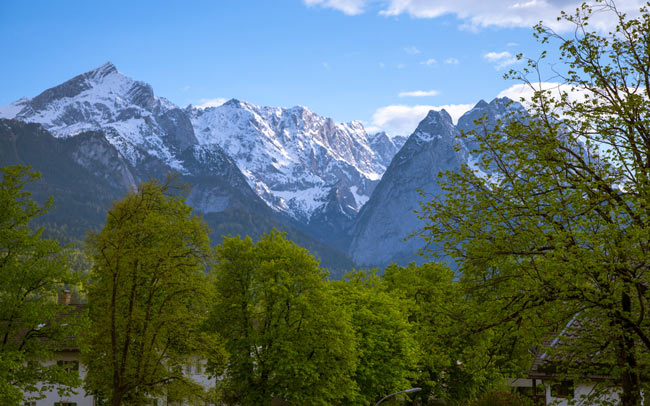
x: 69, y: 365
x: 563, y: 389
x: 193, y: 367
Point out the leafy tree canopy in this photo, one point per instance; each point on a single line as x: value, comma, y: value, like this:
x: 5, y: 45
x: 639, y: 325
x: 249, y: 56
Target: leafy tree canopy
x: 287, y: 336
x: 33, y: 271
x: 561, y: 230
x: 148, y: 298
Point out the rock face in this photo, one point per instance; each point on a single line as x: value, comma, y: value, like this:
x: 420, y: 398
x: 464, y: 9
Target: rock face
x: 385, y: 147
x: 497, y: 109
x: 378, y: 233
x: 388, y: 218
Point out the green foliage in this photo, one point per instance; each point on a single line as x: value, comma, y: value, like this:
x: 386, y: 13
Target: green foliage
x: 386, y: 347
x: 454, y: 361
x: 561, y: 230
x: 287, y: 336
x: 33, y: 271
x: 148, y: 298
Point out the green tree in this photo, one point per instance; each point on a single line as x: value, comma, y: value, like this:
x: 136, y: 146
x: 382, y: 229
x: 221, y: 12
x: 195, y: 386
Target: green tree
x: 287, y: 336
x: 33, y: 271
x: 561, y: 230
x: 455, y: 360
x: 148, y: 298
x: 386, y: 347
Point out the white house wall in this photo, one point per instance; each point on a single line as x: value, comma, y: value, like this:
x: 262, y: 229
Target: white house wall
x: 82, y: 399
x: 581, y: 393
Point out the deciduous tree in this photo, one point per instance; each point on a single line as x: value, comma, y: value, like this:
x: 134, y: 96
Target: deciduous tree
x: 562, y: 228
x: 386, y: 347
x: 33, y: 271
x: 148, y: 298
x: 286, y: 336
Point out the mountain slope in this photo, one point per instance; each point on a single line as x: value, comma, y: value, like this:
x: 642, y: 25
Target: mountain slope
x: 388, y: 218
x: 314, y: 173
x: 378, y: 233
x: 86, y: 173
x: 299, y: 163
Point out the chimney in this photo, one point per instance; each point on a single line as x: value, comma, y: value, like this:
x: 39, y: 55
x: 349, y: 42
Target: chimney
x: 66, y: 296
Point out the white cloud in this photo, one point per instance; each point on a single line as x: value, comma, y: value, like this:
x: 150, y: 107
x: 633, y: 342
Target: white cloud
x: 451, y: 61
x: 512, y: 44
x: 381, y: 65
x: 525, y: 91
x: 401, y: 66
x: 419, y: 93
x: 429, y: 62
x: 186, y: 88
x: 326, y: 65
x: 500, y: 59
x: 349, y: 7
x: 402, y: 119
x: 205, y: 103
x: 412, y: 50
x: 481, y: 14
x: 371, y: 129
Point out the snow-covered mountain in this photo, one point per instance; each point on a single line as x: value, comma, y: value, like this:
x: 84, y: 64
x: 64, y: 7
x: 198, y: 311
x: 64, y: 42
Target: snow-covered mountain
x: 296, y: 160
x: 139, y: 124
x: 385, y: 146
x: 264, y: 165
x: 312, y: 171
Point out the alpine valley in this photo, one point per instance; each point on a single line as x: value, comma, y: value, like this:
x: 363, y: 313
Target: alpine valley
x: 346, y: 195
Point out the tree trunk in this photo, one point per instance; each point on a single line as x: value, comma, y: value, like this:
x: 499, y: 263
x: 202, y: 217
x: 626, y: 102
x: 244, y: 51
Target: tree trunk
x: 630, y: 383
x: 117, y: 399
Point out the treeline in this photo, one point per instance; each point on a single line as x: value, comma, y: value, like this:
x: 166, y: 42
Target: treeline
x: 262, y: 319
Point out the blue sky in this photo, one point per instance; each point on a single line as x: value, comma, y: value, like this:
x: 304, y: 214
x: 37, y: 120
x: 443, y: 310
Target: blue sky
x: 384, y: 62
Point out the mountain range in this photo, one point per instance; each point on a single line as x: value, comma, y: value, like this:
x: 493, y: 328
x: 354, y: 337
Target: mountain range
x: 346, y: 195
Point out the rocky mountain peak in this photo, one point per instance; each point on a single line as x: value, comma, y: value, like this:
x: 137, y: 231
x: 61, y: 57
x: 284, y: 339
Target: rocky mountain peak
x: 379, y: 231
x: 103, y: 70
x: 435, y: 125
x: 481, y: 104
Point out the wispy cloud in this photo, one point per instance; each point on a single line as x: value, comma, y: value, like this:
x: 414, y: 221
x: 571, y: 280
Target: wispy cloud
x: 326, y: 66
x: 401, y: 66
x: 349, y: 7
x: 205, y: 103
x: 500, y: 59
x: 481, y: 14
x: 419, y: 93
x: 452, y: 61
x: 403, y: 119
x: 412, y: 50
x: 429, y: 62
